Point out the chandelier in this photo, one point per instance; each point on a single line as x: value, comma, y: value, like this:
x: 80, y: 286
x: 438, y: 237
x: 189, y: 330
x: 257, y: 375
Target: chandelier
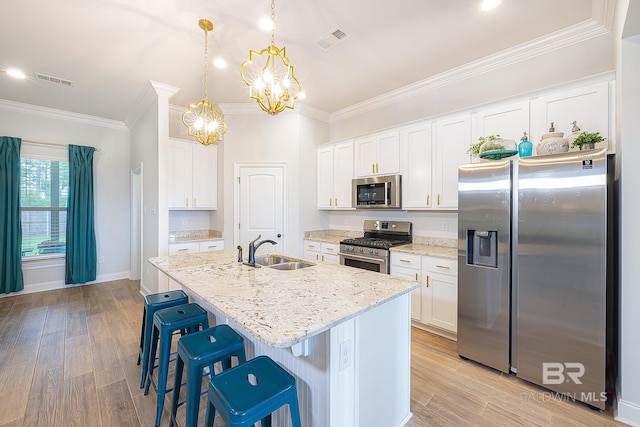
x: 203, y: 120
x: 269, y: 75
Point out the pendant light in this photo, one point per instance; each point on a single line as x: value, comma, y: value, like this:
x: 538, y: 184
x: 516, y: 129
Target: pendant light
x: 203, y: 120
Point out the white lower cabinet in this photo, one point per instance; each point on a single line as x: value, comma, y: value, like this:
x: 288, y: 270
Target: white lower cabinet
x: 435, y: 302
x: 322, y: 251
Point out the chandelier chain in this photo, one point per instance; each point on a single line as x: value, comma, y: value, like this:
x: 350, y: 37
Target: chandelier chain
x: 206, y: 60
x: 273, y: 22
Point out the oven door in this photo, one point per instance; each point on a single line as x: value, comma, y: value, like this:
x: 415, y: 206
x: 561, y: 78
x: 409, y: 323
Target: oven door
x: 364, y: 262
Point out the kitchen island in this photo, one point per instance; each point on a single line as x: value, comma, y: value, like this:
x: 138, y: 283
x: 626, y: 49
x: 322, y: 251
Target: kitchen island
x: 344, y: 333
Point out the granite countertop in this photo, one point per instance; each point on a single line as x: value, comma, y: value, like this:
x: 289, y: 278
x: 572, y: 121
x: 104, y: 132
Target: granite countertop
x: 281, y: 308
x: 427, y: 250
x: 331, y: 236
x: 188, y: 236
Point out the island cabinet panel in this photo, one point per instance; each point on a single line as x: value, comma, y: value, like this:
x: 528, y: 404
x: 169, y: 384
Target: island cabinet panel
x: 192, y: 175
x: 335, y: 172
x: 377, y: 154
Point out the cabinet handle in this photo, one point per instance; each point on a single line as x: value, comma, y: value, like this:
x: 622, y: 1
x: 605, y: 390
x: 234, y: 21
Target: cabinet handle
x: 329, y: 249
x: 212, y: 246
x: 438, y: 199
x: 195, y: 202
x: 183, y: 249
x: 336, y: 203
x: 322, y: 257
x: 404, y: 260
x: 427, y: 281
x: 330, y: 202
x: 428, y: 199
x: 311, y: 246
x: 373, y: 168
x: 377, y: 168
x: 416, y: 277
x: 442, y: 266
x: 186, y: 202
x: 317, y: 257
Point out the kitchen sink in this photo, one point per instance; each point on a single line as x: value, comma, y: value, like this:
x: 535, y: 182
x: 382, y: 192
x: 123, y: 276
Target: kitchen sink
x: 269, y: 260
x: 291, y: 265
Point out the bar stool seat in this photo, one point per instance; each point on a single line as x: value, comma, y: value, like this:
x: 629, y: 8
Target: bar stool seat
x: 197, y: 351
x: 153, y: 303
x: 250, y: 392
x: 187, y: 317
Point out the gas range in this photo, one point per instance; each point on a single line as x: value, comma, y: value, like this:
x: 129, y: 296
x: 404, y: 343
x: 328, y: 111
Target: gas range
x: 371, y: 252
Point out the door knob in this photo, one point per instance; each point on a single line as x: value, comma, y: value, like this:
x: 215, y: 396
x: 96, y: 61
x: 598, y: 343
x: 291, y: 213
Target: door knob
x: 279, y: 235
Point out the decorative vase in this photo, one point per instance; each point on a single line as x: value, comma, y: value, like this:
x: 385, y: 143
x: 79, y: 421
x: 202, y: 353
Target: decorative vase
x: 525, y: 147
x: 588, y: 146
x: 553, y: 142
x: 575, y: 131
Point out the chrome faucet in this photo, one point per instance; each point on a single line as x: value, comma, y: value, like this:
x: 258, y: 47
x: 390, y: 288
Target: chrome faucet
x: 253, y: 246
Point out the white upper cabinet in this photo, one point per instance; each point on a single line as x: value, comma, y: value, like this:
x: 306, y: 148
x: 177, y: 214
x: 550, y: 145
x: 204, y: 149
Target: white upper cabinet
x: 192, y: 175
x: 451, y: 139
x: 416, y: 166
x: 588, y: 106
x: 508, y: 121
x: 377, y: 154
x: 335, y: 172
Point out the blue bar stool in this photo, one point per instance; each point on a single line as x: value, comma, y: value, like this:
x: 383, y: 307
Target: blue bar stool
x: 197, y: 351
x: 250, y: 392
x: 153, y: 303
x: 187, y: 317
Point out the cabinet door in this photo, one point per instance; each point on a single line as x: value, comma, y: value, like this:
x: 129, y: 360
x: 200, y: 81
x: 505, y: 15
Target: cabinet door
x: 417, y: 166
x: 452, y: 138
x: 330, y: 253
x: 416, y: 294
x: 205, y: 177
x: 508, y: 121
x: 179, y: 165
x: 444, y: 301
x: 388, y: 159
x: 588, y: 106
x: 342, y: 175
x: 312, y: 249
x: 325, y: 177
x: 366, y: 155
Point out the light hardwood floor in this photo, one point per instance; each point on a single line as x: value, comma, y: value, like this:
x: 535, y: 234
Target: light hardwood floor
x: 68, y: 358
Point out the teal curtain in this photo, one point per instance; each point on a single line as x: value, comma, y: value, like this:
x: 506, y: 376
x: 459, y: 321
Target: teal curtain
x: 81, y: 257
x: 11, y: 279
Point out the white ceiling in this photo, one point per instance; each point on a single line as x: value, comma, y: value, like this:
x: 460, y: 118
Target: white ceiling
x: 110, y: 49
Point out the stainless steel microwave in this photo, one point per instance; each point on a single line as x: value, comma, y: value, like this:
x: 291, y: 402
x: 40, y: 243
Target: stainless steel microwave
x: 376, y: 192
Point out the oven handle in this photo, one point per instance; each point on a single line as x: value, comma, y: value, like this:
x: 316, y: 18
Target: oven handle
x: 364, y: 258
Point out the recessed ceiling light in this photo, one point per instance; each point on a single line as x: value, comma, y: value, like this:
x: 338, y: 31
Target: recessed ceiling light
x: 219, y: 63
x: 489, y: 4
x: 15, y: 73
x: 265, y: 23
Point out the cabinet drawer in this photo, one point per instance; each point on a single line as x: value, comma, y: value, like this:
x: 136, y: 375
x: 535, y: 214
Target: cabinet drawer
x: 312, y: 246
x: 401, y: 259
x: 441, y: 266
x: 213, y: 245
x: 184, y: 248
x: 330, y: 248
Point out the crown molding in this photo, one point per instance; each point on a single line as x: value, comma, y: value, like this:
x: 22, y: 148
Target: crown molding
x: 51, y: 113
x: 603, y: 12
x: 569, y: 36
x: 250, y: 108
x: 151, y: 92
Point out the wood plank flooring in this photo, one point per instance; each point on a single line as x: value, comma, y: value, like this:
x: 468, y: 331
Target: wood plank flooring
x: 68, y: 358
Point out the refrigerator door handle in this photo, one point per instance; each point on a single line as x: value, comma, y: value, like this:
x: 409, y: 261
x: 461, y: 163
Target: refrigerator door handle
x: 482, y: 233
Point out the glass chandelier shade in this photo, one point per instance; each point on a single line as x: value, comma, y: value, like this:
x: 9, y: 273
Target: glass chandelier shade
x: 270, y: 76
x: 203, y: 120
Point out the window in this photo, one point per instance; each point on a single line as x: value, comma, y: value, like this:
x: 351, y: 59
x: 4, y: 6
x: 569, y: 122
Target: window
x: 44, y: 188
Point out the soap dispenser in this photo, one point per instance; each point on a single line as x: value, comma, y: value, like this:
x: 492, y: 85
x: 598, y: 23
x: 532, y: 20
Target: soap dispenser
x: 525, y: 147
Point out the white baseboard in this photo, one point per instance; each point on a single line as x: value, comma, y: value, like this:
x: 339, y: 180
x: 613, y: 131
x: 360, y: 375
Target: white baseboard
x: 30, y: 288
x: 628, y: 413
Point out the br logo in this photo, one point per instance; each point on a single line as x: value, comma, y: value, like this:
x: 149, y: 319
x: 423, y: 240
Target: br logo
x: 555, y: 372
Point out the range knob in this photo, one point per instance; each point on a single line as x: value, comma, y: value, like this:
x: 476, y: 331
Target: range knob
x: 370, y: 251
x: 375, y: 252
x: 361, y: 249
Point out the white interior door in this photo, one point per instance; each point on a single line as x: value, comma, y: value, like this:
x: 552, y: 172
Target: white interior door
x: 261, y: 205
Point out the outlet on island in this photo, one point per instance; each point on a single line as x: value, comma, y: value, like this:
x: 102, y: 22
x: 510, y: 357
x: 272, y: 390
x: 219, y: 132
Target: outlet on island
x: 345, y: 355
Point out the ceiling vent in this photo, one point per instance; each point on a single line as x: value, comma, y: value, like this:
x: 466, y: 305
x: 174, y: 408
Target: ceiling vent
x: 331, y: 39
x: 52, y: 79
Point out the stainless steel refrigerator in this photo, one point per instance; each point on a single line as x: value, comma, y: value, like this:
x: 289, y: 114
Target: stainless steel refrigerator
x: 536, y: 269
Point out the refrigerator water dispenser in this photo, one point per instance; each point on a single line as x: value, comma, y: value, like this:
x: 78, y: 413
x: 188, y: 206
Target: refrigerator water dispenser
x: 482, y: 248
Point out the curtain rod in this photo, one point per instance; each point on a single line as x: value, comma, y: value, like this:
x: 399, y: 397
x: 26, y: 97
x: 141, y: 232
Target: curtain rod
x: 55, y: 144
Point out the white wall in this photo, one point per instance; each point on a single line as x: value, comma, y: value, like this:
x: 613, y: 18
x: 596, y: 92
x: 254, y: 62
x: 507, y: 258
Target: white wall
x: 111, y: 184
x: 628, y: 84
x: 289, y: 138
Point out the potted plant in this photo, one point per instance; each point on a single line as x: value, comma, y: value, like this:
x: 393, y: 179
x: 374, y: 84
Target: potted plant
x: 474, y: 150
x: 587, y: 141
